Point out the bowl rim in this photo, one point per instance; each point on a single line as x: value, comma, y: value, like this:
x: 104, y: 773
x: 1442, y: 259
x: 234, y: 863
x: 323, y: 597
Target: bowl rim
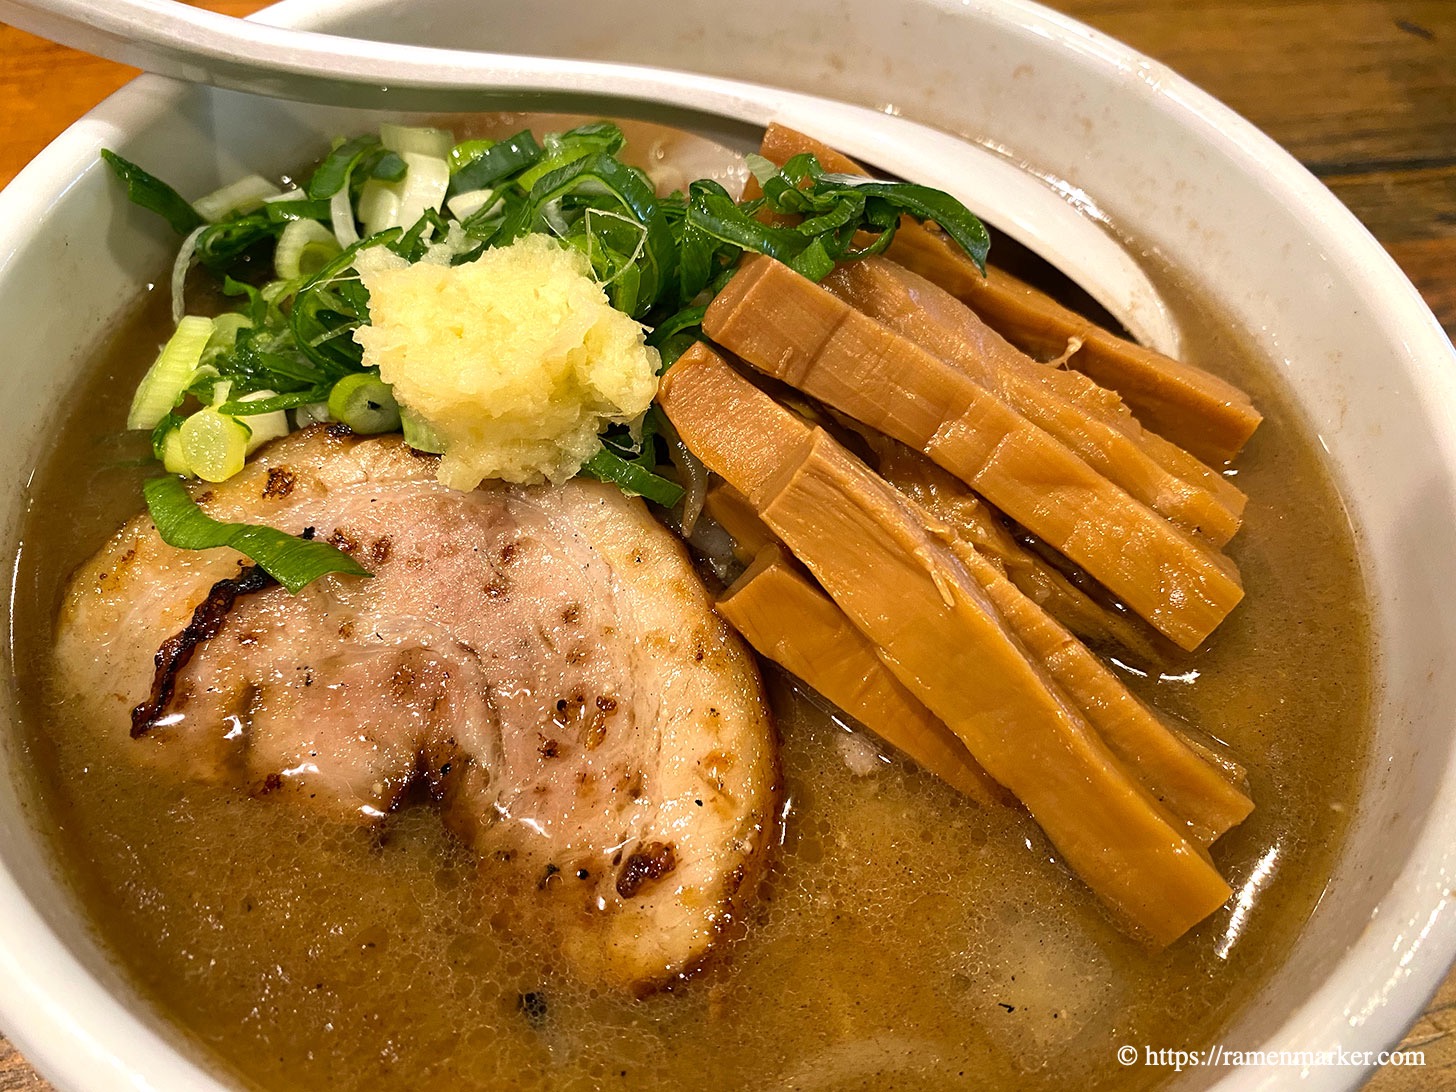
x: 76, y: 1031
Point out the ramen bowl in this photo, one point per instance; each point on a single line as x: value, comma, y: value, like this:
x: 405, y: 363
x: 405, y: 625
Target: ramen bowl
x: 1182, y: 183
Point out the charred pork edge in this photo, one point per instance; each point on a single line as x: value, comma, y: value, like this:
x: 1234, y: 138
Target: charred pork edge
x: 177, y: 651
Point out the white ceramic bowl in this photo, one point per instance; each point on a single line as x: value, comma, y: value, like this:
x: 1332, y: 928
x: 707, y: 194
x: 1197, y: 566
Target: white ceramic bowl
x: 1181, y: 176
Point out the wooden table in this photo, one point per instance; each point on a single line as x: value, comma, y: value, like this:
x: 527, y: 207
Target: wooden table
x: 1362, y: 91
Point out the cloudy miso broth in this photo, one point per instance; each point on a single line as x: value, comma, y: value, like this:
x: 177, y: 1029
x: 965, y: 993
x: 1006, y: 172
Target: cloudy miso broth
x: 904, y: 937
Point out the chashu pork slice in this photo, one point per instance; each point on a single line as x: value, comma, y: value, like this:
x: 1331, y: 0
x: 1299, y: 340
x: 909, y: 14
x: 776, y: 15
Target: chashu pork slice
x: 544, y: 661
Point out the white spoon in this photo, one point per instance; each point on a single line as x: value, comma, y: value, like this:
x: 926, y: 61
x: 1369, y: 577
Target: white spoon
x: 172, y: 39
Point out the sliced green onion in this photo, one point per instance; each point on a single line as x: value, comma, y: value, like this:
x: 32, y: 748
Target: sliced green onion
x: 225, y: 330
x: 331, y: 181
x: 761, y: 168
x: 674, y: 335
x: 264, y: 426
x: 418, y: 140
x: 389, y: 168
x: 214, y: 446
x: 274, y: 292
x: 172, y: 457
x: 634, y: 480
x: 465, y: 205
x: 266, y: 402
x: 341, y: 218
x: 292, y: 561
x: 423, y: 188
x: 552, y: 163
x: 385, y: 205
x: 304, y: 247
x: 333, y: 173
x: 227, y: 326
x: 601, y: 136
x: 291, y: 206
x: 186, y: 255
x: 313, y: 413
x: 244, y: 195
x: 500, y: 160
x: 153, y: 194
x: 378, y: 206
x: 365, y: 403
x: 167, y: 379
x: 419, y: 434
x: 467, y: 152
x: 921, y: 202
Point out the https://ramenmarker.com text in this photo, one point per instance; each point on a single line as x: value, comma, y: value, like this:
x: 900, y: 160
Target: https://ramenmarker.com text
x: 1219, y: 1055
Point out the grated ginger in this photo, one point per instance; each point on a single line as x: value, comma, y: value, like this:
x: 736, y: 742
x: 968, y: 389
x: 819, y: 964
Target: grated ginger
x: 515, y: 360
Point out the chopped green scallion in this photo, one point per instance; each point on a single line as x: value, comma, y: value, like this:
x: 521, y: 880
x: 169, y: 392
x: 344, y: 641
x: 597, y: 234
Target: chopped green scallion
x: 153, y: 194
x: 225, y: 330
x: 419, y: 434
x: 214, y: 445
x: 418, y: 140
x: 365, y: 403
x: 265, y: 426
x: 467, y: 152
x: 173, y: 458
x: 167, y: 380
x: 465, y: 205
x: 632, y: 479
x: 423, y: 188
x: 501, y: 160
x: 292, y: 561
x: 304, y: 248
x: 244, y: 195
